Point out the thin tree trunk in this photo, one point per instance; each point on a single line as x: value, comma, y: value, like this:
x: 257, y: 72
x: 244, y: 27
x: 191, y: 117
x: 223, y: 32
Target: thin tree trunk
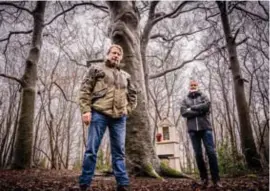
x: 4, y: 142
x: 211, y: 100
x: 24, y: 139
x: 247, y: 140
x: 68, y: 136
x: 227, y: 109
x: 36, y: 136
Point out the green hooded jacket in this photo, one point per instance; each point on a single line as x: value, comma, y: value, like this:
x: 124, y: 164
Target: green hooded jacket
x: 107, y: 90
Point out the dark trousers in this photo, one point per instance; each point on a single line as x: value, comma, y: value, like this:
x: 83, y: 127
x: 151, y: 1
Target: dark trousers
x: 205, y: 136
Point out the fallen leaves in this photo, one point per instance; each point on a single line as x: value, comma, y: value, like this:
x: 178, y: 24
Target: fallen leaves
x: 68, y: 180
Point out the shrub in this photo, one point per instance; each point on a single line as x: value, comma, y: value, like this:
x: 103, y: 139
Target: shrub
x: 229, y: 164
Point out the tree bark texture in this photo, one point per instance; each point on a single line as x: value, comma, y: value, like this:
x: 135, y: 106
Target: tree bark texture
x: 247, y: 140
x: 124, y: 30
x: 24, y: 138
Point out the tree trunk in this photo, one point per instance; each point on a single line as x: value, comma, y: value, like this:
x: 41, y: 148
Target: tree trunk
x: 227, y: 110
x: 211, y: 100
x: 143, y: 45
x: 124, y: 30
x: 24, y: 139
x: 69, y: 125
x: 36, y: 137
x: 8, y: 161
x: 247, y: 140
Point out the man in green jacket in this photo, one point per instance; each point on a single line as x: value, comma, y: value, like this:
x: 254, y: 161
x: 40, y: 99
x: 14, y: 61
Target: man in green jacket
x: 106, y: 98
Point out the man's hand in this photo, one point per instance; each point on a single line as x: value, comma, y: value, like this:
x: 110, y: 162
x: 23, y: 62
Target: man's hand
x: 86, y: 117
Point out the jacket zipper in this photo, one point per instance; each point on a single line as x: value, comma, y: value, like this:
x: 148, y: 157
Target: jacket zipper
x: 194, y: 101
x: 116, y: 87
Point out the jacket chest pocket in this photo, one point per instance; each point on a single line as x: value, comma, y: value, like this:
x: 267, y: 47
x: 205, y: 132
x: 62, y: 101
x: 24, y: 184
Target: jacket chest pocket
x: 120, y: 81
x: 100, y: 89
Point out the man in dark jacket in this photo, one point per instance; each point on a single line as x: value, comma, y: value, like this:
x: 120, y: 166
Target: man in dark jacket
x: 195, y: 108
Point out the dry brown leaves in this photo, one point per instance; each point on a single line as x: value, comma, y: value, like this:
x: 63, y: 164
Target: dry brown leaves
x: 68, y: 180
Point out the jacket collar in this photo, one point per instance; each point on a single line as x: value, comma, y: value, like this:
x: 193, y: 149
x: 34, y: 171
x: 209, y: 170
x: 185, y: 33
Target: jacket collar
x: 194, y: 94
x: 108, y: 64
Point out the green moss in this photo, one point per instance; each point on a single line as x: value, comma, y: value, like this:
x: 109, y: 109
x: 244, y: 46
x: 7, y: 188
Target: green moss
x: 252, y: 176
x: 170, y: 172
x: 149, y: 170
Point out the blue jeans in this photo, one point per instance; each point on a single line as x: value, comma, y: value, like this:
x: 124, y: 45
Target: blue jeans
x: 206, y: 137
x: 117, y: 130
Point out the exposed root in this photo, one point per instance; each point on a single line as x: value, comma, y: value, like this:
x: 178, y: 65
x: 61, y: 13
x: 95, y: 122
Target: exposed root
x: 170, y: 172
x: 150, y: 171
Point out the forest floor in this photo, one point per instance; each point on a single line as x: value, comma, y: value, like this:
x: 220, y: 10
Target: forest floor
x: 68, y: 180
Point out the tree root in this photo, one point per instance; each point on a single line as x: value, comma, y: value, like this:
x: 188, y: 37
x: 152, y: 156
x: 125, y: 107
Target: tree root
x: 170, y: 172
x: 150, y: 171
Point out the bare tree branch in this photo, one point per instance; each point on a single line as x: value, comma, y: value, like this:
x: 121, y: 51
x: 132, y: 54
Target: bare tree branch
x: 12, y: 78
x: 242, y: 41
x: 264, y: 9
x: 102, y: 8
x: 172, y: 14
x: 177, y: 35
x: 155, y: 104
x: 16, y: 6
x: 9, y: 36
x: 260, y: 50
x: 250, y: 13
x: 232, y: 5
x: 64, y: 17
x: 195, y: 58
x: 89, y: 62
x: 43, y: 153
x: 152, y: 8
x: 73, y: 60
x: 62, y: 91
x: 235, y: 35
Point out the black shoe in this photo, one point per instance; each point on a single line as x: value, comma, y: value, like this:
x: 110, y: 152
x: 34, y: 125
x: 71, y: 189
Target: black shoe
x: 123, y: 188
x: 83, y: 187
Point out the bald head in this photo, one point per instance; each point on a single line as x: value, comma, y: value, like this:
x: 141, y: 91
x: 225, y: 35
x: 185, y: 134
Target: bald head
x: 193, y: 86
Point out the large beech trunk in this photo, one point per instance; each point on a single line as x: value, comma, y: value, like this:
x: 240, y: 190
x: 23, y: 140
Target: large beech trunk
x: 124, y: 30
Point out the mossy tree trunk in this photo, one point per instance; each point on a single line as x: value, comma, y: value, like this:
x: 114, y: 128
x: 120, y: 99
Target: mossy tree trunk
x: 124, y: 30
x: 24, y: 137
